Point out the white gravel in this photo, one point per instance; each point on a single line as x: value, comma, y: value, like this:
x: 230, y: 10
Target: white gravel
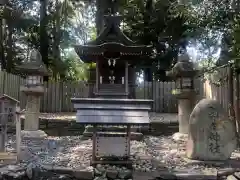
x: 148, y: 155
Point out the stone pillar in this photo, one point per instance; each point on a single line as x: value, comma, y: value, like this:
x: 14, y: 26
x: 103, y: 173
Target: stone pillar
x: 32, y: 113
x: 31, y: 123
x: 185, y: 107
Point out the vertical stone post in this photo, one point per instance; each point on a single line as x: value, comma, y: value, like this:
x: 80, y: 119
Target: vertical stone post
x: 185, y: 107
x: 32, y: 113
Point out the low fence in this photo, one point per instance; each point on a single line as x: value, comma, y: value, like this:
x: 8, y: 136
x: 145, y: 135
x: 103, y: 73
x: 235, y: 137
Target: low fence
x: 57, y: 94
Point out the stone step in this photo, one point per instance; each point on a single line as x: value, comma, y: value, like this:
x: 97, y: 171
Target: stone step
x: 111, y: 86
x: 113, y: 93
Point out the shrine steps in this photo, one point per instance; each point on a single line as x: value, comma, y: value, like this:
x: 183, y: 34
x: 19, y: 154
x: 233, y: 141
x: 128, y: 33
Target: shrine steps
x: 113, y: 91
x: 112, y: 95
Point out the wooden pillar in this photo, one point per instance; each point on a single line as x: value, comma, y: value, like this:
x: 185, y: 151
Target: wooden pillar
x: 126, y: 77
x: 97, y: 76
x: 128, y: 139
x: 94, y: 139
x: 2, y: 127
x: 18, y: 133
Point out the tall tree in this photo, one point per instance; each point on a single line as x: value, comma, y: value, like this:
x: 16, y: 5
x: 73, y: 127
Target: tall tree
x: 43, y: 33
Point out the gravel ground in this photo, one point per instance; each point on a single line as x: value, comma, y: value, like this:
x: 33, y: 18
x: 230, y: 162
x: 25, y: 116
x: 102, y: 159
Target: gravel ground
x: 153, y: 153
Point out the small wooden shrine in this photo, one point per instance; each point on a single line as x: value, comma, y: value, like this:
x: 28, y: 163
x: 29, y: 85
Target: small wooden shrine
x: 9, y: 118
x: 115, y: 56
x: 111, y: 102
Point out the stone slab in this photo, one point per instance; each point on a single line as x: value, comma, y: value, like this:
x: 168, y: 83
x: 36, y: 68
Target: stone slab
x: 112, y: 174
x: 189, y: 176
x: 39, y: 134
x: 232, y: 177
x: 84, y: 174
x: 237, y: 174
x: 137, y: 175
x: 227, y: 171
x: 229, y: 163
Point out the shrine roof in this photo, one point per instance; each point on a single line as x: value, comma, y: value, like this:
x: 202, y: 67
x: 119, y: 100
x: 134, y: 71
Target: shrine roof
x: 5, y: 96
x: 112, y: 39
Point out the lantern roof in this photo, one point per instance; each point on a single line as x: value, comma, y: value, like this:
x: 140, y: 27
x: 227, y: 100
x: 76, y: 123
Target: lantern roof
x: 33, y: 65
x: 111, y: 40
x: 183, y: 68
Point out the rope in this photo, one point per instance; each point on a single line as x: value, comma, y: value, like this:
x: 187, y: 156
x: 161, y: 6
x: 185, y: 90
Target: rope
x: 214, y: 68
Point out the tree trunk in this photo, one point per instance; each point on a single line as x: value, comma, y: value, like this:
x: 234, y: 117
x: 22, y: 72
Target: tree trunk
x: 43, y: 33
x: 9, y: 58
x: 99, y: 16
x: 56, y: 40
x: 2, y: 49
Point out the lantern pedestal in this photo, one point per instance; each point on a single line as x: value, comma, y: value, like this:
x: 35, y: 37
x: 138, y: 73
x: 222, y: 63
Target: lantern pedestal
x: 184, y: 110
x: 185, y: 107
x: 31, y: 123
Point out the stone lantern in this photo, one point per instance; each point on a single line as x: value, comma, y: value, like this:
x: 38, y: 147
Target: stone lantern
x: 35, y: 70
x: 183, y: 73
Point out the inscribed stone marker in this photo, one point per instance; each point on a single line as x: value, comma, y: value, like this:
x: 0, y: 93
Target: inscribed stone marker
x: 212, y: 135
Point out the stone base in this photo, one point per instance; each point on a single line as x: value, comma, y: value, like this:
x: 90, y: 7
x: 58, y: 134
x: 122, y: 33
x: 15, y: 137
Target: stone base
x: 180, y: 137
x: 39, y: 134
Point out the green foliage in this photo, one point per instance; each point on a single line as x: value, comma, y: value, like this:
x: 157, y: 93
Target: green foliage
x: 236, y: 41
x: 166, y: 24
x: 63, y: 30
x: 74, y: 68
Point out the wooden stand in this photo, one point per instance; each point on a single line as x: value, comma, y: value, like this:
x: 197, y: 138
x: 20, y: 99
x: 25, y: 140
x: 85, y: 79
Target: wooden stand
x: 9, y: 115
x: 111, y: 148
x: 14, y: 157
